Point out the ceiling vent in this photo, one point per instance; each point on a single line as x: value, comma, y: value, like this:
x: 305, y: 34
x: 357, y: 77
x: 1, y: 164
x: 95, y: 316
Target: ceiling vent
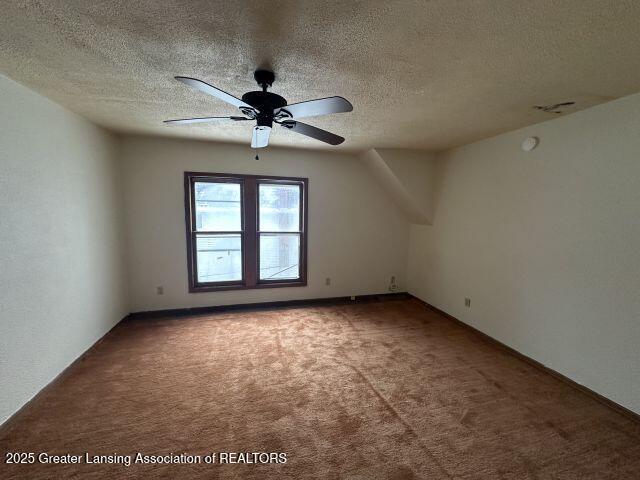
x: 554, y: 108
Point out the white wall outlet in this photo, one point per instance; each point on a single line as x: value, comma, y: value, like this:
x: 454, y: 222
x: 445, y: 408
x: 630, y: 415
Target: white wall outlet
x: 467, y: 302
x: 392, y: 284
x: 353, y: 297
x: 327, y: 281
x: 160, y: 290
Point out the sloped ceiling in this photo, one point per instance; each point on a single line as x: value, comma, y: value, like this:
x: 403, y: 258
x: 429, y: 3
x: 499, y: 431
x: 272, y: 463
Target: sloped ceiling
x: 408, y: 178
x: 421, y: 74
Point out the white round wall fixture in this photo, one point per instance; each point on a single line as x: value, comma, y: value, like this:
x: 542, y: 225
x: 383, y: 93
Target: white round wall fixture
x: 530, y: 143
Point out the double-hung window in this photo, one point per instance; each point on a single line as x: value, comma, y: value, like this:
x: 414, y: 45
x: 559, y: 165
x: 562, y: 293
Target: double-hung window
x: 245, y: 231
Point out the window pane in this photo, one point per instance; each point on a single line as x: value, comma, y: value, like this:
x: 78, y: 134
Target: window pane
x: 219, y: 258
x: 279, y: 208
x: 217, y: 206
x: 279, y: 256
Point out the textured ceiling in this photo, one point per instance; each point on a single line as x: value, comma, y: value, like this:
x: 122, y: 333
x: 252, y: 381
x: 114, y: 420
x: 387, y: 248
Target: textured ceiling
x: 420, y: 74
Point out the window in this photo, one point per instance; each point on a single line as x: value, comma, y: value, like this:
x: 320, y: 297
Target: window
x: 245, y: 231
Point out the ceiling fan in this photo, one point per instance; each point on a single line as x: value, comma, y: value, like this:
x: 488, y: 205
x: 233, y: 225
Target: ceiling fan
x: 266, y: 108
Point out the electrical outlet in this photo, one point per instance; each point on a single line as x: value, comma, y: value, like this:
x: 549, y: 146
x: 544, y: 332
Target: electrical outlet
x: 467, y: 302
x: 327, y: 281
x: 160, y: 290
x: 392, y: 284
x: 353, y: 297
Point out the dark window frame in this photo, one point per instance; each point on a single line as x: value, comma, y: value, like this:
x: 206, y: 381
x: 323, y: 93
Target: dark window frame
x: 250, y: 233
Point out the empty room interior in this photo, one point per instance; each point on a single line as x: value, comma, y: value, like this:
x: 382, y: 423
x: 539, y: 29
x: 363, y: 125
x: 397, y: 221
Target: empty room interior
x: 320, y: 239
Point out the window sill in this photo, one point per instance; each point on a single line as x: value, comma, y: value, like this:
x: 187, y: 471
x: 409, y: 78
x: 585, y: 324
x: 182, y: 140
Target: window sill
x: 221, y: 288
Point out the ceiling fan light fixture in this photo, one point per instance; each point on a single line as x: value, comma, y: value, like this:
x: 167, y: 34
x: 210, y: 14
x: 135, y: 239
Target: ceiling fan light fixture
x: 260, y: 138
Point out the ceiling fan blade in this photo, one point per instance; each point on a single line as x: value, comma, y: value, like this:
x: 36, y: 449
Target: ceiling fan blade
x: 313, y: 132
x: 216, y: 92
x: 260, y: 136
x: 184, y: 121
x: 321, y: 106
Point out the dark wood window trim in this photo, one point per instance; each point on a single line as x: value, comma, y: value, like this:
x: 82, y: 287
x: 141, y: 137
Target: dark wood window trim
x: 250, y: 233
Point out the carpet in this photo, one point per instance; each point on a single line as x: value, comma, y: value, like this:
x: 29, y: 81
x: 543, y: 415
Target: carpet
x: 379, y: 390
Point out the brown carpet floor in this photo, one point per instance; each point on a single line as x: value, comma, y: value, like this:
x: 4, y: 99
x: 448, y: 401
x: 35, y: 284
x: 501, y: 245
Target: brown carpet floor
x: 386, y: 390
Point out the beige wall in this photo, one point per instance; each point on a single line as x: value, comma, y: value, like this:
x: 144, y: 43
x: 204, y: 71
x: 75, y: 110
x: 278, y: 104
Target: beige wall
x: 546, y: 244
x: 357, y: 237
x: 62, y: 282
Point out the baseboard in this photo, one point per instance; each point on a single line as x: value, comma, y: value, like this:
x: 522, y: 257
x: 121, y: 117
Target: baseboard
x: 7, y: 425
x: 9, y: 422
x: 572, y: 383
x: 180, y: 312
